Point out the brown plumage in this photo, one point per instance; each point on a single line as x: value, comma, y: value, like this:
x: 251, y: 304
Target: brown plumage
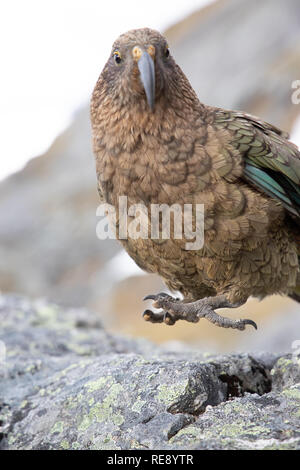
x: 156, y: 143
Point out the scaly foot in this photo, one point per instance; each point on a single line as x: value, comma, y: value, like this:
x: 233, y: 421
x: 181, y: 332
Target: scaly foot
x: 174, y: 310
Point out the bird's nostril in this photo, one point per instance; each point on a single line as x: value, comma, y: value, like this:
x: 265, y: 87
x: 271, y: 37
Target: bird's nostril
x: 151, y: 51
x: 137, y: 53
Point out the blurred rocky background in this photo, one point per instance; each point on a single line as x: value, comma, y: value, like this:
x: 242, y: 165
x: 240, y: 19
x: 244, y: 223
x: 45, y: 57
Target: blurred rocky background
x: 238, y: 54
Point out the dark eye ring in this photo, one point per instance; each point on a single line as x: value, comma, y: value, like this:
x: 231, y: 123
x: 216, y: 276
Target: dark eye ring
x: 167, y: 52
x: 117, y: 57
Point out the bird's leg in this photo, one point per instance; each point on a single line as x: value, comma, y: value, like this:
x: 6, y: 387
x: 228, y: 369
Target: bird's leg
x: 174, y: 310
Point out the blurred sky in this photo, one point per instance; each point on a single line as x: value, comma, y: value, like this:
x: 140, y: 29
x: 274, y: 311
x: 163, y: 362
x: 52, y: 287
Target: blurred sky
x: 52, y: 52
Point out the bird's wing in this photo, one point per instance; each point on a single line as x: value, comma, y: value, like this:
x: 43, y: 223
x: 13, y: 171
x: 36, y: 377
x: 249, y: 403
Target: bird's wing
x: 271, y: 162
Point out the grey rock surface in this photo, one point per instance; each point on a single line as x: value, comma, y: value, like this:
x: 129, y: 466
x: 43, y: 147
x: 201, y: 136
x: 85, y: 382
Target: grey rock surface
x: 243, y: 54
x: 66, y: 383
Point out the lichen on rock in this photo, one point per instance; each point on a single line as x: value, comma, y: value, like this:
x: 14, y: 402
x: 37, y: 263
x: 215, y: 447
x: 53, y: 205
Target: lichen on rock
x: 83, y: 388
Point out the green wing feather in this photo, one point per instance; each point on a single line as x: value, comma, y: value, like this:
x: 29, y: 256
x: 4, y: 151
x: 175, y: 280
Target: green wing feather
x: 272, y: 162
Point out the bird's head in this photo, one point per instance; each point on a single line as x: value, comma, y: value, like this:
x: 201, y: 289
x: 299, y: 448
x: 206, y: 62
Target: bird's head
x: 139, y: 66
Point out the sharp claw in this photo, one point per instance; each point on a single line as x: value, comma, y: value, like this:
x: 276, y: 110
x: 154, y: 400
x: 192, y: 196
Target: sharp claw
x: 250, y: 322
x: 163, y: 317
x: 168, y: 319
x: 152, y: 317
x: 155, y: 297
x: 150, y: 297
x: 147, y: 315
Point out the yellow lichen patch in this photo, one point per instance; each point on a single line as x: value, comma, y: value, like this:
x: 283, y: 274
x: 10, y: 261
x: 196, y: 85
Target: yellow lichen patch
x: 170, y: 394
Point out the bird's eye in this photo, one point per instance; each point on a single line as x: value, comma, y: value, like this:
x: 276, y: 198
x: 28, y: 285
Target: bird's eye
x: 167, y: 52
x: 117, y: 57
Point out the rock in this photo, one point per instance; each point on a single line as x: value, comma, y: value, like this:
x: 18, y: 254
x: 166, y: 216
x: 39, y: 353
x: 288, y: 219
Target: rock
x: 66, y: 383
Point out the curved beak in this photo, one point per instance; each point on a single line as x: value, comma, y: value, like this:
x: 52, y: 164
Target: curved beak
x: 147, y: 72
